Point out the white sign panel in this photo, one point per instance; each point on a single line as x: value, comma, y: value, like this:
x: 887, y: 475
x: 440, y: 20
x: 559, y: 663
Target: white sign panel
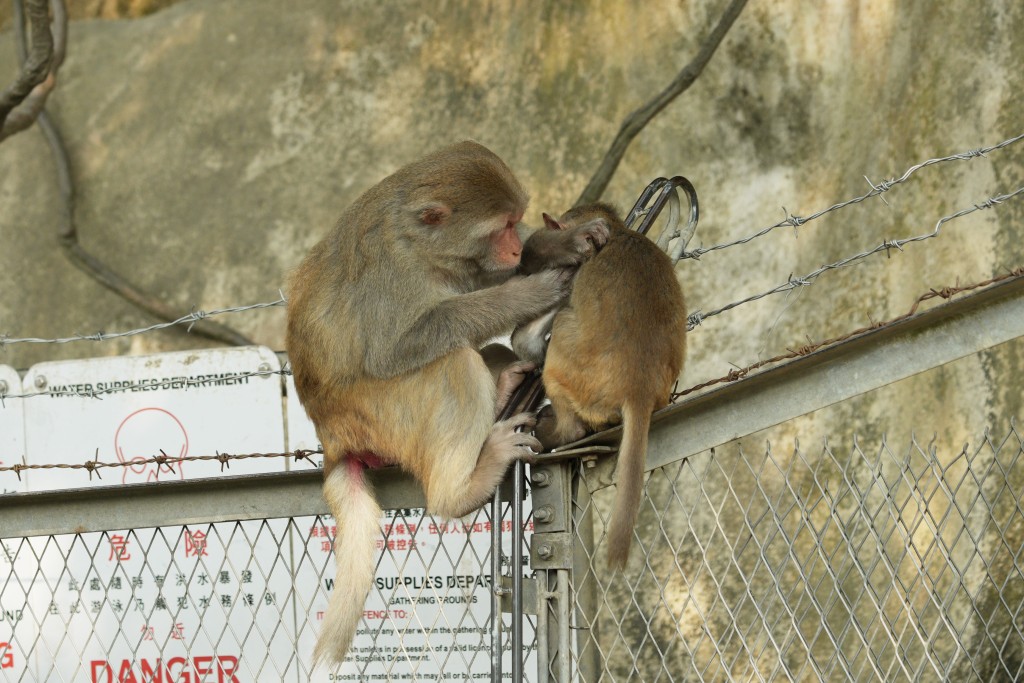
x: 12, y: 429
x: 427, y: 616
x: 12, y: 596
x: 129, y: 409
x: 157, y: 604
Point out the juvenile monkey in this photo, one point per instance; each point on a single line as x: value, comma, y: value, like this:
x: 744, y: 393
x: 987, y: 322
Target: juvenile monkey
x: 385, y: 316
x: 616, y: 350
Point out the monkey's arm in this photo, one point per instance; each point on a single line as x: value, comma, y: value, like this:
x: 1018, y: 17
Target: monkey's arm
x: 552, y: 248
x: 465, y: 320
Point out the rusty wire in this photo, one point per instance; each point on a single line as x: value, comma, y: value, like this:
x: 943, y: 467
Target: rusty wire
x: 190, y: 319
x: 695, y: 318
x: 162, y: 460
x: 943, y: 293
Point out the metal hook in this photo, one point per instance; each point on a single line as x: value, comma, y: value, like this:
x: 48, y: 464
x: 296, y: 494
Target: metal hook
x: 666, y: 190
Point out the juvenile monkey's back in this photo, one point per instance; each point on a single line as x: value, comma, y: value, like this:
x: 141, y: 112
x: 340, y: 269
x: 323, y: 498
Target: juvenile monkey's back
x: 629, y: 296
x: 623, y: 333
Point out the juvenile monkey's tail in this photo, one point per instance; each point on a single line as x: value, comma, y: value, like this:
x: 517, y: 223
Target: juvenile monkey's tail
x: 357, y: 515
x: 629, y: 483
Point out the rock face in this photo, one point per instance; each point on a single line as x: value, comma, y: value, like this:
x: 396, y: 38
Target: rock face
x: 213, y: 143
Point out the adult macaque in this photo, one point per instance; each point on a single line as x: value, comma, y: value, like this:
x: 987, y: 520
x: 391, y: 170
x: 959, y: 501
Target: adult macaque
x: 385, y: 316
x: 616, y: 350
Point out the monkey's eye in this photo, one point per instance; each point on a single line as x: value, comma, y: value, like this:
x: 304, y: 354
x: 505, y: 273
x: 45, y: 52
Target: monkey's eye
x: 434, y: 215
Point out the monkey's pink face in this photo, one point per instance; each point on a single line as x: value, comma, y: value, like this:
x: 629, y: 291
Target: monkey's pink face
x: 506, y: 247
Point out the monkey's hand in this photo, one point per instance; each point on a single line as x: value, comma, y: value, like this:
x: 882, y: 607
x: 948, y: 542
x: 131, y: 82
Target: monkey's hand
x: 549, y: 248
x: 509, y: 380
x: 541, y: 291
x: 510, y: 444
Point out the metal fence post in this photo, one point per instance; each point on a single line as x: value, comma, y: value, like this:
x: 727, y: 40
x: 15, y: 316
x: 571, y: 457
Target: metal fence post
x: 551, y: 555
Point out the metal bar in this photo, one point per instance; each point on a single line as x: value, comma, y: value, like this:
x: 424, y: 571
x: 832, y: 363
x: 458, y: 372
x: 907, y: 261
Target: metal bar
x: 875, y: 359
x: 584, y: 584
x: 543, y: 606
x: 194, y: 501
x: 496, y: 588
x: 137, y: 506
x: 517, y: 571
x: 564, y: 643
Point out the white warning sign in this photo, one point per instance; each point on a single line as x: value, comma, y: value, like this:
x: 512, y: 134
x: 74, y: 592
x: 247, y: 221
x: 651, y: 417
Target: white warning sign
x: 12, y: 450
x: 128, y: 410
x: 12, y: 429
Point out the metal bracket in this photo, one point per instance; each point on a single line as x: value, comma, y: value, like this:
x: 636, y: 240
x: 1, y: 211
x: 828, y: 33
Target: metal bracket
x: 673, y: 239
x: 549, y: 491
x: 551, y: 550
x: 531, y: 599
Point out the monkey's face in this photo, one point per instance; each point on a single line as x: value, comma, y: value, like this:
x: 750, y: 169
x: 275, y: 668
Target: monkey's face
x: 455, y: 236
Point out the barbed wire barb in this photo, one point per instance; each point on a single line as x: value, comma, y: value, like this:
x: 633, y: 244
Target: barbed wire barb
x: 876, y: 191
x: 191, y: 319
x: 794, y: 282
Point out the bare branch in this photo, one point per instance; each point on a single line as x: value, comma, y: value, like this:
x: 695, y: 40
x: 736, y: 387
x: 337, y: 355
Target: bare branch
x: 636, y: 121
x: 67, y: 234
x: 23, y: 100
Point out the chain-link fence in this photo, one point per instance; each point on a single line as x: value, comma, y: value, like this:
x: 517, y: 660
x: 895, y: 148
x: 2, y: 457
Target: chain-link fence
x: 863, y: 562
x: 242, y: 601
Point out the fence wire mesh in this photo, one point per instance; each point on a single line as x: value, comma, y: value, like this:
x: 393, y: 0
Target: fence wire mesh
x: 242, y: 601
x: 860, y: 563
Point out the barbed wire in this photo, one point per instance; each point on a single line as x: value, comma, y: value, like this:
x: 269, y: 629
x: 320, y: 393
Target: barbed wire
x: 697, y: 317
x: 944, y: 293
x: 694, y: 319
x: 168, y: 383
x: 790, y: 220
x: 876, y: 191
x: 162, y: 460
x: 190, y: 320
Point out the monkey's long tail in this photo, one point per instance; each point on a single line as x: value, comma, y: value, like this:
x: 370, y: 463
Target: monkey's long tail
x: 629, y: 483
x: 357, y: 515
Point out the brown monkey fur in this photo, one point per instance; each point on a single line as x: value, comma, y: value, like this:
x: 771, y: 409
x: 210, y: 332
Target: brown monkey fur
x: 616, y: 350
x: 385, y: 316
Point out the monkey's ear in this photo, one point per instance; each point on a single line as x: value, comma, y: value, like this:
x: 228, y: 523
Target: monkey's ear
x: 434, y: 214
x: 552, y: 223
